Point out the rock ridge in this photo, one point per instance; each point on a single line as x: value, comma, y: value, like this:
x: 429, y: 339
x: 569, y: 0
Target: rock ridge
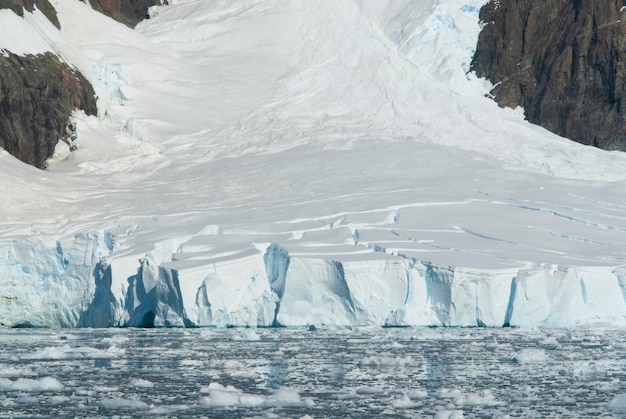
x: 128, y: 12
x: 18, y: 6
x: 563, y: 61
x: 37, y: 96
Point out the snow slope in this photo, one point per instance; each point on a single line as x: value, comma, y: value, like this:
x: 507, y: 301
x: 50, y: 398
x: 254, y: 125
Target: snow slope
x: 266, y: 162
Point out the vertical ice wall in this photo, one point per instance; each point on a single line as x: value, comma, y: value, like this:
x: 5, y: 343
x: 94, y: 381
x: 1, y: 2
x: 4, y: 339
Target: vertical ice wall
x: 44, y: 282
x: 79, y: 282
x: 562, y: 296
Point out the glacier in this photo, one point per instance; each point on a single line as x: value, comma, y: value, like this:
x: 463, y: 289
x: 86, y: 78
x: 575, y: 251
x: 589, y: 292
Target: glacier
x: 285, y: 163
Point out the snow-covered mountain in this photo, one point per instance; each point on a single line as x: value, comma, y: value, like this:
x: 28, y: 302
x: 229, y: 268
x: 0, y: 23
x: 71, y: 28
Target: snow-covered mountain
x: 260, y: 162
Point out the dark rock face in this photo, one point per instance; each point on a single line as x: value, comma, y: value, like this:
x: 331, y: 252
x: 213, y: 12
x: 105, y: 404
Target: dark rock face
x: 129, y: 12
x: 44, y: 6
x: 563, y: 61
x: 37, y: 95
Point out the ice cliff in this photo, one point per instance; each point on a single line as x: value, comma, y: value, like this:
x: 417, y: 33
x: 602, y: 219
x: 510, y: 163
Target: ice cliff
x: 268, y: 163
x: 76, y: 284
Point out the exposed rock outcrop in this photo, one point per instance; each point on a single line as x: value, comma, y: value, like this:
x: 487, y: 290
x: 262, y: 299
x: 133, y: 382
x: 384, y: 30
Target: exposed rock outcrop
x: 44, y: 6
x: 37, y: 95
x: 129, y: 12
x: 563, y: 61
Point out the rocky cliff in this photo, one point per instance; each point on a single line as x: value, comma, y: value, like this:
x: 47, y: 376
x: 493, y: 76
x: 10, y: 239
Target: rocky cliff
x: 563, y: 61
x: 18, y: 7
x: 129, y: 12
x: 39, y: 92
x: 37, y: 96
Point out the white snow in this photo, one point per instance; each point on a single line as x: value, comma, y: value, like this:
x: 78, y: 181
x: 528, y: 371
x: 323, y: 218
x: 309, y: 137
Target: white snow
x: 24, y: 35
x: 302, y: 163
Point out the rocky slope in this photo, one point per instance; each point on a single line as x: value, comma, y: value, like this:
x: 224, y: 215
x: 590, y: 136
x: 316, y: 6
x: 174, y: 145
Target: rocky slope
x: 37, y: 96
x: 129, y: 12
x: 18, y: 7
x: 562, y: 61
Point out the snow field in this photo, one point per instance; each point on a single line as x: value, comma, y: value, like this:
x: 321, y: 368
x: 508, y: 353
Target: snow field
x: 312, y: 164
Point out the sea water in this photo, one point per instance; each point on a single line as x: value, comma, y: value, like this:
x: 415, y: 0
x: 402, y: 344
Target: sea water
x: 308, y: 372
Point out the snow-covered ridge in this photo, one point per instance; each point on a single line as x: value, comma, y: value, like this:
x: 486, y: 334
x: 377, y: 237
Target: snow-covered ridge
x: 267, y: 162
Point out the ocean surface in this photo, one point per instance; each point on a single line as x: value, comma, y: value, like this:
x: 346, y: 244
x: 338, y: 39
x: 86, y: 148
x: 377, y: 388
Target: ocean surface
x: 320, y: 373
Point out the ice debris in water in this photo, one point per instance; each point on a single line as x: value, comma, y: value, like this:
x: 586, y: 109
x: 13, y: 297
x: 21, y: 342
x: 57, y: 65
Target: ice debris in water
x: 385, y: 362
x: 27, y: 384
x: 249, y: 335
x: 449, y: 414
x: 8, y: 371
x: 141, y: 383
x: 218, y: 395
x: 67, y: 352
x: 403, y: 402
x: 550, y: 341
x: 531, y: 356
x: 618, y: 402
x: 123, y: 404
x: 482, y: 398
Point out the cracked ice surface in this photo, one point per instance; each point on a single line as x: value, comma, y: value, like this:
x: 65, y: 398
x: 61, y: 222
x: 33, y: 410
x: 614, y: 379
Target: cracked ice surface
x: 340, y: 169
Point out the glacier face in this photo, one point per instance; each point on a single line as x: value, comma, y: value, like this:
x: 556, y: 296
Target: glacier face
x: 78, y: 287
x: 339, y: 169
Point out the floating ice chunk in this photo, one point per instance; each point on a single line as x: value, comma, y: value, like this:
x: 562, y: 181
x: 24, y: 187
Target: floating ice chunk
x: 123, y: 404
x: 609, y: 386
x: 531, y: 356
x: 232, y: 364
x: 27, y: 384
x: 385, y: 362
x: 116, y: 340
x: 618, y: 402
x: 166, y: 410
x: 369, y: 390
x: 483, y: 398
x: 449, y: 414
x: 289, y: 397
x: 141, y: 383
x: 8, y: 371
x: 585, y: 369
x: 249, y: 335
x: 220, y: 396
x: 446, y: 393
x: 67, y: 352
x: 403, y: 402
x: 550, y: 341
x: 418, y: 394
x: 55, y: 400
x: 30, y: 400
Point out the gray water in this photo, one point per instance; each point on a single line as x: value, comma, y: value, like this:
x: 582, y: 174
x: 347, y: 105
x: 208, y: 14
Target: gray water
x: 366, y: 372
